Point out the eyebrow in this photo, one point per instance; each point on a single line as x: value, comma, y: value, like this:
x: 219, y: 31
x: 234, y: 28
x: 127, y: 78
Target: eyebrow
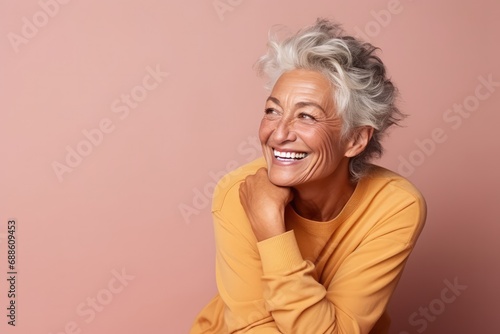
x: 298, y: 104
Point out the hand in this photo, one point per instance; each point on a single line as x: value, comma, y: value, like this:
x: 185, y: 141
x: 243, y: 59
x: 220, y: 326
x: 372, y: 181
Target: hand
x: 264, y: 204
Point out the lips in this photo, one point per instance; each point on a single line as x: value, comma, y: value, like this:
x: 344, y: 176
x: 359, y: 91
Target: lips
x: 289, y: 155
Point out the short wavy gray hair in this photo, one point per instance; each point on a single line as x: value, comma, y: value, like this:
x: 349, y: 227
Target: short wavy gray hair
x: 363, y: 96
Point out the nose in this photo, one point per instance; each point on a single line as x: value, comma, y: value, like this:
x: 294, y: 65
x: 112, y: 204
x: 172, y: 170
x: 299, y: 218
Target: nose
x: 284, y: 131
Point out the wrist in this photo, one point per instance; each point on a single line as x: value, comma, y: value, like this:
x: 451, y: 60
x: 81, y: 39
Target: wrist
x: 264, y: 235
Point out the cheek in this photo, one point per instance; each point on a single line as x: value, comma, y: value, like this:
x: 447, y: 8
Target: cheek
x: 320, y: 139
x: 265, y: 130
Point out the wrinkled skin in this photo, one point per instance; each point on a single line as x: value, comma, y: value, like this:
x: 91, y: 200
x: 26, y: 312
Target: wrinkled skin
x: 300, y: 117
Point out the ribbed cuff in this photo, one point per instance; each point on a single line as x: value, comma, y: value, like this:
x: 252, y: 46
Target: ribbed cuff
x: 280, y: 253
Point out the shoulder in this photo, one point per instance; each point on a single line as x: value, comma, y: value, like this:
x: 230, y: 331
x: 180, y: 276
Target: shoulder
x: 227, y: 189
x: 382, y: 180
x: 396, y: 201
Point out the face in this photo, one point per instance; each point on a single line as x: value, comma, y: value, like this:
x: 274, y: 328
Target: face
x: 300, y: 130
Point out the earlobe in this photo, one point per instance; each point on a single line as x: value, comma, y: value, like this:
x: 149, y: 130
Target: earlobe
x: 359, y: 139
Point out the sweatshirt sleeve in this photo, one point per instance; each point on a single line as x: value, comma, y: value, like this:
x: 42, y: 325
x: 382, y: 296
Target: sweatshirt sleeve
x: 358, y: 293
x: 239, y: 278
x: 267, y: 286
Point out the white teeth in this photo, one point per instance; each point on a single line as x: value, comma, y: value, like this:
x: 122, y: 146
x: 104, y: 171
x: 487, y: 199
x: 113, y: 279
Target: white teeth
x: 289, y: 155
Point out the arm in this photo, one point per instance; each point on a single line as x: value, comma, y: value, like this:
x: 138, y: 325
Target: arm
x: 356, y: 296
x: 268, y: 287
x: 238, y: 275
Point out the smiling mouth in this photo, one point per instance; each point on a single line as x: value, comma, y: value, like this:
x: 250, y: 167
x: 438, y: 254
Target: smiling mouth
x: 288, y: 156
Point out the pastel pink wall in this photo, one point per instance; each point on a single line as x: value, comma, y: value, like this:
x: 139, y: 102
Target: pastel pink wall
x: 102, y: 244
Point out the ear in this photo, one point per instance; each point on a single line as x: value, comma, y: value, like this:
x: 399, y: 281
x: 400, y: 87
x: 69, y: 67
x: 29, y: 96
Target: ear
x: 358, y: 141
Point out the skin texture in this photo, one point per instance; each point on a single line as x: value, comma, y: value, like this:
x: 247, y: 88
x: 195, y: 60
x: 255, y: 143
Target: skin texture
x: 300, y: 116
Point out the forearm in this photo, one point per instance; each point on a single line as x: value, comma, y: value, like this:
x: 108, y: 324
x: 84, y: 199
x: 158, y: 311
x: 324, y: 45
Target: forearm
x: 269, y: 281
x: 297, y: 302
x: 352, y: 303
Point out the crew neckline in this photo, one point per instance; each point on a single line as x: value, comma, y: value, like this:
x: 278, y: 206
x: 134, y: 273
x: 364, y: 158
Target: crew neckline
x: 319, y: 227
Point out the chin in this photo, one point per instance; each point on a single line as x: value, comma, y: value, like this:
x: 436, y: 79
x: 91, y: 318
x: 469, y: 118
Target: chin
x: 278, y: 179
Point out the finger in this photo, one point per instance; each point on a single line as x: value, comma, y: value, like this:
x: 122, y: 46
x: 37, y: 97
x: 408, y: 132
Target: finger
x: 242, y: 189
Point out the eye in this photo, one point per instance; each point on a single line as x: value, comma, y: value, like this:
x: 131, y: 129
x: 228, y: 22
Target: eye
x: 306, y: 116
x: 270, y: 111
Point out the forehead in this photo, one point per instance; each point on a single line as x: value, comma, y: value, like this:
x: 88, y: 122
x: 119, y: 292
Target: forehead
x: 303, y: 83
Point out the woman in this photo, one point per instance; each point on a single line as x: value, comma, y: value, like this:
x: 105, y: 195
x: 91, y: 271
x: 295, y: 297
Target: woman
x: 312, y: 238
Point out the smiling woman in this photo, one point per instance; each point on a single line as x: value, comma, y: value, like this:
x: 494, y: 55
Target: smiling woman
x: 312, y: 238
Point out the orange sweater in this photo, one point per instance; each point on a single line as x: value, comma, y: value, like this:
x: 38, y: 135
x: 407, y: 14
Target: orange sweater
x: 318, y: 277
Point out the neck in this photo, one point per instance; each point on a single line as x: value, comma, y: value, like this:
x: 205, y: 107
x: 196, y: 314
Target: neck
x: 322, y: 200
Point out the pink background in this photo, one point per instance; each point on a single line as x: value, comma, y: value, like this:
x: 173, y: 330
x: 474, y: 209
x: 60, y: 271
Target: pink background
x: 119, y: 209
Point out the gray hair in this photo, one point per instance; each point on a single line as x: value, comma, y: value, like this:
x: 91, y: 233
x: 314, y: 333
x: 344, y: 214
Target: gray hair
x: 363, y: 94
